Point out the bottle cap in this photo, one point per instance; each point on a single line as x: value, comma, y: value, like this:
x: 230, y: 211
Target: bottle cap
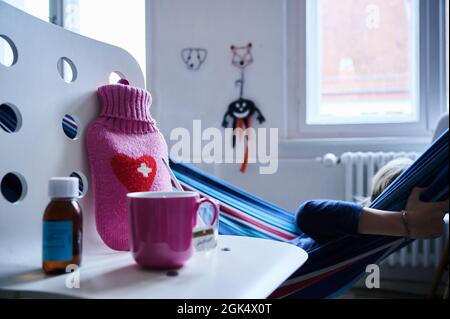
x: 63, y: 187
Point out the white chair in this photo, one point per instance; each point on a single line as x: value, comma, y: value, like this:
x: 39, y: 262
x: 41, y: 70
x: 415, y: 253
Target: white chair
x: 441, y: 127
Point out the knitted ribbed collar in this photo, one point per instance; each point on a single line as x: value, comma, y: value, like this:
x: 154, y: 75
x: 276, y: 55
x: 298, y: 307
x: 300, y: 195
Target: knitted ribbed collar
x: 126, y: 108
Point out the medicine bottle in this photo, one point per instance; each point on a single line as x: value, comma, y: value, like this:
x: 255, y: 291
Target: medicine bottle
x: 62, y: 227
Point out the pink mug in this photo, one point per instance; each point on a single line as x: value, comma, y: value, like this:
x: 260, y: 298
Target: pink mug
x: 161, y: 226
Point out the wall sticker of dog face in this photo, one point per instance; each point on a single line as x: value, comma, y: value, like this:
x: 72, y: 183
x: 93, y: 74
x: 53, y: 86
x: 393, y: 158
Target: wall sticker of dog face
x: 194, y: 58
x: 242, y: 56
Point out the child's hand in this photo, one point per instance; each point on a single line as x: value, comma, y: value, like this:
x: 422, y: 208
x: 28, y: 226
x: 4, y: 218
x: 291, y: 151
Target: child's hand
x: 425, y: 220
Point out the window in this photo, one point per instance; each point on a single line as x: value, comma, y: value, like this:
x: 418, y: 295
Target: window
x: 37, y: 8
x: 365, y: 68
x: 117, y: 22
x: 364, y: 61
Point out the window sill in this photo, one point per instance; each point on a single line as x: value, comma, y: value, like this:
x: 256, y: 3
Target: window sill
x: 312, y: 148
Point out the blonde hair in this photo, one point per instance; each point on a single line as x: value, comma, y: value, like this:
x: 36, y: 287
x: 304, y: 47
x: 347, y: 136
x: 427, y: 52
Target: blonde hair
x: 386, y: 175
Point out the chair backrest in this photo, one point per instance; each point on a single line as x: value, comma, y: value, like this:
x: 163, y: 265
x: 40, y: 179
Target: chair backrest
x: 39, y: 100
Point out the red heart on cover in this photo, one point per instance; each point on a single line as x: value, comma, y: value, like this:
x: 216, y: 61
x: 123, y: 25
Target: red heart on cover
x: 137, y: 175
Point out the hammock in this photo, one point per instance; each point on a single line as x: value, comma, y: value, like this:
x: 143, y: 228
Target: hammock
x: 333, y: 267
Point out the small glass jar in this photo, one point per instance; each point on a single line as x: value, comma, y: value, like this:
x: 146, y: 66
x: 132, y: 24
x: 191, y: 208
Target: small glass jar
x: 62, y: 227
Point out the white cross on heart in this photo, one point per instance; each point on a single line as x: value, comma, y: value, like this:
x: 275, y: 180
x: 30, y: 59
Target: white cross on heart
x: 145, y: 170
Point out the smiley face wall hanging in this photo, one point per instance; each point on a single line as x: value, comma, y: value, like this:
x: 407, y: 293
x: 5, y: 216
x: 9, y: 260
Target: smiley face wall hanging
x: 194, y: 58
x: 242, y: 110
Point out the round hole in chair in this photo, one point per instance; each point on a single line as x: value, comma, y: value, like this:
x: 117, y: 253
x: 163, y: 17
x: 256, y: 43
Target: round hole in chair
x: 13, y: 187
x: 172, y: 273
x: 8, y: 51
x: 67, y: 70
x: 70, y: 126
x: 10, y: 118
x: 117, y: 77
x: 83, y: 185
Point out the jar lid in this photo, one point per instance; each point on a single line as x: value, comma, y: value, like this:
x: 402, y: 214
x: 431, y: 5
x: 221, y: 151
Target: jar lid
x: 63, y: 187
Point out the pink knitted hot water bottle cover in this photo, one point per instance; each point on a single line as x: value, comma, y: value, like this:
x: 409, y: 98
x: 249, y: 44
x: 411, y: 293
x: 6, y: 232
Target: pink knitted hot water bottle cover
x: 125, y: 151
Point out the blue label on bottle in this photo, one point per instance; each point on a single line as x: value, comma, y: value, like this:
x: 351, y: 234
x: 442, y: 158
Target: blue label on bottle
x: 57, y: 241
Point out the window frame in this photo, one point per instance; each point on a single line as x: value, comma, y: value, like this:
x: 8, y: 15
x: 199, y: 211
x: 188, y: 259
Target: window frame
x: 431, y: 78
x: 67, y: 14
x: 56, y: 12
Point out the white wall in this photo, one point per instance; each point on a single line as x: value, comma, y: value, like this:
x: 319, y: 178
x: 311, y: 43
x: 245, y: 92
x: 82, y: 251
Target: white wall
x: 181, y: 96
x: 215, y: 25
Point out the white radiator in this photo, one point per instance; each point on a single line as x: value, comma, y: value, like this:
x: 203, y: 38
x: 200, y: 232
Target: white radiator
x: 359, y: 171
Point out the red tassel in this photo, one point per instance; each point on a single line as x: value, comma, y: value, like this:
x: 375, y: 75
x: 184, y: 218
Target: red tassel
x: 245, y: 162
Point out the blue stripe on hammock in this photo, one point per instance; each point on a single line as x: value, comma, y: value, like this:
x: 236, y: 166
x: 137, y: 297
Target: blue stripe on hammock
x: 270, y: 219
x: 237, y: 199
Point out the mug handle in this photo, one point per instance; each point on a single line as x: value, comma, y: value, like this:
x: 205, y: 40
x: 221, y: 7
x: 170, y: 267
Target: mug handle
x: 214, y: 205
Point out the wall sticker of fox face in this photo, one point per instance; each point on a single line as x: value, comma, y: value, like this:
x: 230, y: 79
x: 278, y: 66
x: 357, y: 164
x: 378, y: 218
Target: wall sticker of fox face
x: 242, y: 56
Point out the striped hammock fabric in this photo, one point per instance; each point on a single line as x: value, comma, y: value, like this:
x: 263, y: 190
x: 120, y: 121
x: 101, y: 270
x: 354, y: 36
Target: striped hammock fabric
x: 335, y: 266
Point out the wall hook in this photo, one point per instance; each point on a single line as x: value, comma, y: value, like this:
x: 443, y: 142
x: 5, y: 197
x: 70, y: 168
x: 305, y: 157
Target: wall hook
x: 242, y: 110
